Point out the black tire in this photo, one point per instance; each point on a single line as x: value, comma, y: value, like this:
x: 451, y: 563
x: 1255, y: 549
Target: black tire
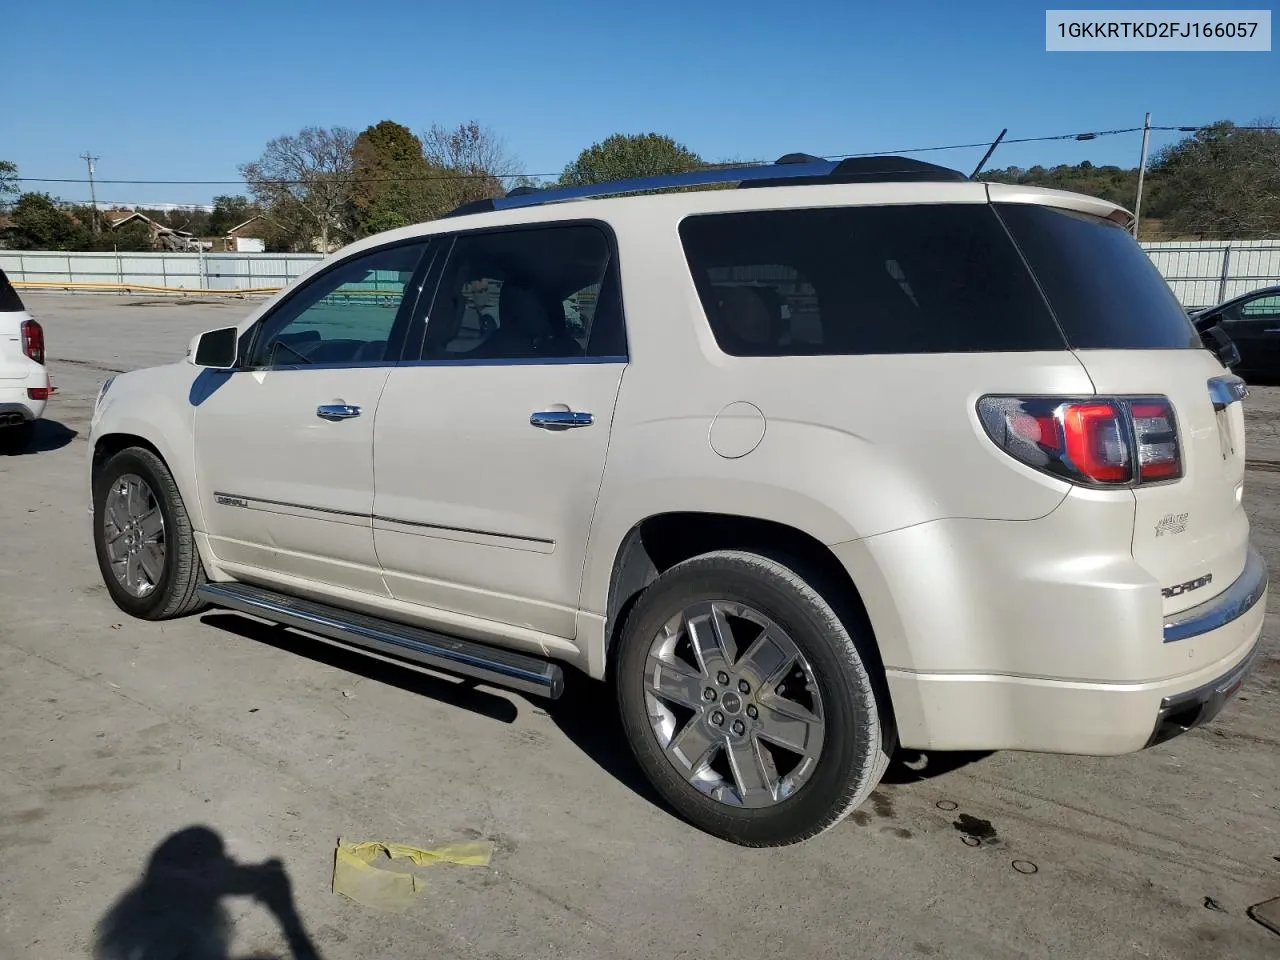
x: 17, y: 439
x: 853, y: 757
x: 176, y: 593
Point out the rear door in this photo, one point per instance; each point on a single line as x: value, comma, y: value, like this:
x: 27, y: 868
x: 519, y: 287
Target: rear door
x: 489, y: 450
x: 1135, y: 340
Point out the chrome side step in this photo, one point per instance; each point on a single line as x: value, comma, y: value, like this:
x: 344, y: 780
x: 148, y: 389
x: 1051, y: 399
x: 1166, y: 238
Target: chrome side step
x: 502, y: 668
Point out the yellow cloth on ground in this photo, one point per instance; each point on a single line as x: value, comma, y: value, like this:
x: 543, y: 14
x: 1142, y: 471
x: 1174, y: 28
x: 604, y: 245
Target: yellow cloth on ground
x: 356, y: 876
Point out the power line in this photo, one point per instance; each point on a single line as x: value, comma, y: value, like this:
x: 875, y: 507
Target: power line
x: 1084, y: 136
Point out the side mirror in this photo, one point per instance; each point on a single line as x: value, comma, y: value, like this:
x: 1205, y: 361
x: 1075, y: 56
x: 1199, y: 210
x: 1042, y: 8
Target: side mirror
x: 215, y: 348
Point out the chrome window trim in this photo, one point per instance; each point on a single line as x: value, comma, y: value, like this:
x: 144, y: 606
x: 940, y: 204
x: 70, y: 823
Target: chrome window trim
x: 1233, y: 603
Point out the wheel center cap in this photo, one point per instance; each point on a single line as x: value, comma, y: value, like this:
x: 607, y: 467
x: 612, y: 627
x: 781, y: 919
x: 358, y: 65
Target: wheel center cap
x: 731, y: 703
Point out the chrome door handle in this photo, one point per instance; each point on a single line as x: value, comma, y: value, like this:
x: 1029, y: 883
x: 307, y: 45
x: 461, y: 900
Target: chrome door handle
x: 561, y: 419
x: 337, y: 411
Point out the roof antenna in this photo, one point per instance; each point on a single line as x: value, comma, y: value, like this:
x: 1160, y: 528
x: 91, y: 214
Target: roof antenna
x: 987, y: 156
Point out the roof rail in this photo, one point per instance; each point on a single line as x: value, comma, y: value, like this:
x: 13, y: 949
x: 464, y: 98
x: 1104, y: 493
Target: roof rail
x: 793, y: 169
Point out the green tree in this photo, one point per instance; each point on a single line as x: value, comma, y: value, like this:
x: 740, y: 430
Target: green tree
x: 8, y: 179
x: 393, y: 182
x: 38, y: 223
x: 1221, y: 182
x: 624, y: 156
x: 230, y: 211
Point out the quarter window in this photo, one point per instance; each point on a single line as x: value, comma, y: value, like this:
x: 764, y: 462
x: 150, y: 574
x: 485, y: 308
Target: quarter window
x: 539, y: 293
x: 345, y: 315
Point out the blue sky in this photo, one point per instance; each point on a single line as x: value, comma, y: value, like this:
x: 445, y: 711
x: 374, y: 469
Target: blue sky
x: 187, y: 91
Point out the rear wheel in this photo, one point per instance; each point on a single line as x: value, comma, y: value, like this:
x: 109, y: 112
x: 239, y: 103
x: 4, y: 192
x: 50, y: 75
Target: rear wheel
x: 746, y: 701
x: 143, y: 537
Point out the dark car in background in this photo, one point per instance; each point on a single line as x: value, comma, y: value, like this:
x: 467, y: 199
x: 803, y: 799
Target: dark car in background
x: 1252, y: 322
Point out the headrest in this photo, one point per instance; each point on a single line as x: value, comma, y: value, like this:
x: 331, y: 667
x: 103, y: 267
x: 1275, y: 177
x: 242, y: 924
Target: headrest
x: 747, y: 314
x: 520, y: 309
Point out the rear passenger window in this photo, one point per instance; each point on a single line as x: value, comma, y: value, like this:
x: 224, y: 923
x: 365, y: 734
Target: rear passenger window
x: 931, y: 278
x: 526, y: 294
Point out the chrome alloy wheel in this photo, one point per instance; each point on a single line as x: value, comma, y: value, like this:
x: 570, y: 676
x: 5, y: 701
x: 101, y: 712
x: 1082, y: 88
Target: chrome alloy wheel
x: 133, y: 531
x: 734, y: 704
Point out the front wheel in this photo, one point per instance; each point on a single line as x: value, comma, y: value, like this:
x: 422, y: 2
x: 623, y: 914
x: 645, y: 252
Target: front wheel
x: 746, y: 701
x: 143, y: 537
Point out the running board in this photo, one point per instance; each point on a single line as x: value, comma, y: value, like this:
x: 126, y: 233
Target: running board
x: 502, y: 668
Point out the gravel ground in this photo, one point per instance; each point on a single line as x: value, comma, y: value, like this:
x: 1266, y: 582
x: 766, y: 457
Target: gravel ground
x: 119, y: 734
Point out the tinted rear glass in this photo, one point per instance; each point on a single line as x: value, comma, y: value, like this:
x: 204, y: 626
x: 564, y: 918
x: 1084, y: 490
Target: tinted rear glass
x: 10, y: 302
x: 1104, y: 290
x: 932, y: 278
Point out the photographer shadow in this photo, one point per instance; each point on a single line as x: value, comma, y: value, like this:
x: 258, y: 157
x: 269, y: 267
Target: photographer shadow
x: 176, y: 909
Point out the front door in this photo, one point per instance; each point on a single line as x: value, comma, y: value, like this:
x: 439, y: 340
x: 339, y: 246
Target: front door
x: 284, y: 444
x: 489, y: 450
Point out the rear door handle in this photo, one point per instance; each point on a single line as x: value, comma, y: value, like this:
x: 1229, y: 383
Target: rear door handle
x: 561, y: 419
x: 337, y: 411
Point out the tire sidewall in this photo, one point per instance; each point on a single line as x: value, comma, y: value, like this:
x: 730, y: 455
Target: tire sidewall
x: 129, y: 461
x: 848, y: 755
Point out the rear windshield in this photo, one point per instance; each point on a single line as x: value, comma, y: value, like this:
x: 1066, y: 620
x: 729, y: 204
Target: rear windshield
x: 931, y: 278
x: 1104, y: 290
x: 10, y: 302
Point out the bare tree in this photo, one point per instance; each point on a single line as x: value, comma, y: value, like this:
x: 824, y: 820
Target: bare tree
x: 305, y: 180
x: 475, y: 156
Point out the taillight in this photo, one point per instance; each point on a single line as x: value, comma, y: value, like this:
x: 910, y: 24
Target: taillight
x: 1095, y: 441
x: 33, y: 340
x: 38, y: 393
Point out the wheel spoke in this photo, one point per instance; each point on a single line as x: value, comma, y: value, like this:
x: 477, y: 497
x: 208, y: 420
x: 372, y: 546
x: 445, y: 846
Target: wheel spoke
x: 712, y: 638
x: 152, y: 523
x: 768, y: 659
x: 675, y: 682
x: 693, y: 747
x: 135, y: 499
x: 132, y: 568
x: 116, y: 518
x: 753, y: 770
x: 151, y: 560
x: 790, y: 726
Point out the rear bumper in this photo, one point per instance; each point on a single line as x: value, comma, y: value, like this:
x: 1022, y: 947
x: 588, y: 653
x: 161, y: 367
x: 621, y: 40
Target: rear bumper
x: 1012, y: 637
x: 14, y: 411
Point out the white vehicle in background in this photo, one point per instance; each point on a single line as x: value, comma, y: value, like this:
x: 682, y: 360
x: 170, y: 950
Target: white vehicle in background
x: 24, y: 378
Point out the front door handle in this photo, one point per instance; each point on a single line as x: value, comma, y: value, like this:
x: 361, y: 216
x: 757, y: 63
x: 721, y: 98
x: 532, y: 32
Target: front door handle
x: 337, y: 411
x: 561, y: 419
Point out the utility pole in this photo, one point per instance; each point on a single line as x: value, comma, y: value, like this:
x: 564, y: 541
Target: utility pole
x: 1142, y: 172
x: 93, y: 194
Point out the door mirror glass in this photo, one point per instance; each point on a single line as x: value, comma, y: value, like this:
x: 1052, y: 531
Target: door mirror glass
x: 215, y: 348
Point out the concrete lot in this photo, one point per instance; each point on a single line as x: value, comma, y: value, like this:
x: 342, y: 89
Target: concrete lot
x: 117, y: 734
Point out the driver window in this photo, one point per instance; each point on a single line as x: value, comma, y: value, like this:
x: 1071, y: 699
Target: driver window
x: 345, y: 315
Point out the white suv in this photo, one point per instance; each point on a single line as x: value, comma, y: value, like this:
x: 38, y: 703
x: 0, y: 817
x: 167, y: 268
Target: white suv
x: 24, y: 378
x: 872, y: 455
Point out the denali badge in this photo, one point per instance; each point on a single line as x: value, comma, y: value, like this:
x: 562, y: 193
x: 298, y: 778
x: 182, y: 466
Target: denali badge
x: 229, y: 501
x: 1180, y: 588
x: 1172, y: 523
